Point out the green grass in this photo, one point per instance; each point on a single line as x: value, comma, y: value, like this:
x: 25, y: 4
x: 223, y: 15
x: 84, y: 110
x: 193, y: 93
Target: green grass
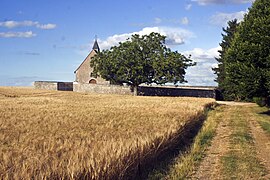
x: 241, y: 165
x: 241, y: 161
x: 265, y: 125
x: 240, y: 129
x: 263, y: 118
x: 185, y: 164
x: 229, y: 162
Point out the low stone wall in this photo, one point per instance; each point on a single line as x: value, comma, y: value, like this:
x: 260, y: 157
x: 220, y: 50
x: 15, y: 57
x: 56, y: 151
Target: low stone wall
x: 48, y: 85
x: 177, y: 91
x: 65, y: 86
x: 102, y: 89
x: 54, y: 85
x: 207, y: 92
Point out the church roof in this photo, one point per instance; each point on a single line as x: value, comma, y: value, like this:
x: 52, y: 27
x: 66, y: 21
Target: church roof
x: 95, y: 49
x: 96, y: 46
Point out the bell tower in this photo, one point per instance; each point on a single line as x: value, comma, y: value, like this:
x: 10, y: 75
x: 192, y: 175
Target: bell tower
x: 96, y: 46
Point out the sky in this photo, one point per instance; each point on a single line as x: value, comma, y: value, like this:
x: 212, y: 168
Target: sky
x: 48, y: 39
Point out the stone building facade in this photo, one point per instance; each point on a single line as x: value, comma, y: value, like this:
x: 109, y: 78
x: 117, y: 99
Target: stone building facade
x: 84, y: 71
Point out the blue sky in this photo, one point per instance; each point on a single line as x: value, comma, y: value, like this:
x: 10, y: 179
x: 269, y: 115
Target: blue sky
x: 47, y: 40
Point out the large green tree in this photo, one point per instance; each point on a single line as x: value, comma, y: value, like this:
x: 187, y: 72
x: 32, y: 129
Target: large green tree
x: 227, y: 36
x: 247, y: 68
x: 141, y: 59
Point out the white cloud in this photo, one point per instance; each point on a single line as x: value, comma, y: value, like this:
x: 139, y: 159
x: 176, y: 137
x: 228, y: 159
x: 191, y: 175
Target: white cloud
x: 188, y: 7
x: 46, y: 26
x: 201, y: 55
x: 202, y: 74
x: 28, y: 53
x: 14, y: 24
x: 223, y: 18
x: 175, y: 36
x: 27, y: 34
x: 158, y: 20
x: 185, y: 20
x: 206, y: 2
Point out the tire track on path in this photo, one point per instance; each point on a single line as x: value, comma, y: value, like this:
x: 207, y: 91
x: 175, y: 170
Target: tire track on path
x: 262, y: 143
x: 210, y: 165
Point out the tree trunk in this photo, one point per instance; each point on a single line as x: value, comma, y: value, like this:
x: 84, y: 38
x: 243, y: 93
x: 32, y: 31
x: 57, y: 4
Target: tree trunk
x: 135, y: 90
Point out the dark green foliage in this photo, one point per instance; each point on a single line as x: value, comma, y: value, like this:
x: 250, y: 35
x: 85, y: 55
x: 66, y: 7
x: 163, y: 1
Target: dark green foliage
x: 261, y: 101
x: 141, y: 59
x: 225, y: 44
x: 247, y: 60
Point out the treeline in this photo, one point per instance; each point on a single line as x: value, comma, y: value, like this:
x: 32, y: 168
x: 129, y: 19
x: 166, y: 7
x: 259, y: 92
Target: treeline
x: 243, y: 72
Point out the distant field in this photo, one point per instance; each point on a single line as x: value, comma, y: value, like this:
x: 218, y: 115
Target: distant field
x: 52, y: 134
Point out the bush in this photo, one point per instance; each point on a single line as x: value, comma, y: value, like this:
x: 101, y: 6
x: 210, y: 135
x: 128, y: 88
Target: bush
x: 261, y: 101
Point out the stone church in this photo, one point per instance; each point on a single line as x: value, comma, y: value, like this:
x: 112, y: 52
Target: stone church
x: 84, y: 71
x: 86, y: 82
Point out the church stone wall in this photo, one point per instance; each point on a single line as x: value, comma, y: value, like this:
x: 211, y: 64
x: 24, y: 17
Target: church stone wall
x: 83, y: 73
x: 147, y: 90
x: 65, y: 86
x: 177, y: 91
x: 54, y: 85
x: 115, y: 89
x: 48, y: 85
x: 102, y: 89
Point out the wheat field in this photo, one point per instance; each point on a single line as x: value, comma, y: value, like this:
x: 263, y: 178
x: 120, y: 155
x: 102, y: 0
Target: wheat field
x: 68, y: 135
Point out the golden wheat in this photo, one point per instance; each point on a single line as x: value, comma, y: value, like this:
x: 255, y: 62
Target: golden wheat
x: 51, y: 134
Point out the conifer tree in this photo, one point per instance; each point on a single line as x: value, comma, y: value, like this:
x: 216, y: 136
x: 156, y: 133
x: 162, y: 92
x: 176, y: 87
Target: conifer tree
x: 247, y: 67
x: 225, y: 44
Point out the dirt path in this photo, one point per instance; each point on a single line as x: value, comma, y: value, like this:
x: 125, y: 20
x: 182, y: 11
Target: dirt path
x: 262, y: 144
x: 211, y: 165
x: 233, y: 103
